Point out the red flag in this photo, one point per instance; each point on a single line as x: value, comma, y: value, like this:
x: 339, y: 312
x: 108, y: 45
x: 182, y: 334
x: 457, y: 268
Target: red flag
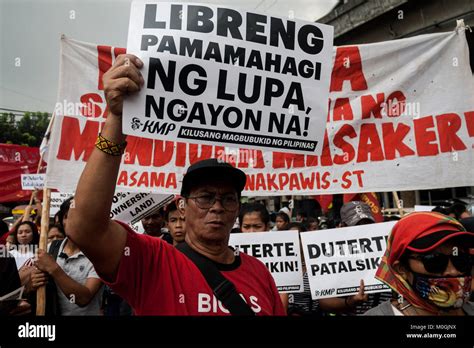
x: 325, y: 201
x: 14, y: 161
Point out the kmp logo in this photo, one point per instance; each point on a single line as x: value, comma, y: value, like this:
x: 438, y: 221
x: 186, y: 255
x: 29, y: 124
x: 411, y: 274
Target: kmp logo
x: 325, y: 292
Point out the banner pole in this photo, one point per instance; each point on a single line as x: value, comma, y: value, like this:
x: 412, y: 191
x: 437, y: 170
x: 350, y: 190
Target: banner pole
x: 397, y: 202
x: 43, y: 244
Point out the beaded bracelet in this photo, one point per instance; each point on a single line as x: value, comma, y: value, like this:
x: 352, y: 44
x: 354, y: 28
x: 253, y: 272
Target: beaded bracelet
x: 109, y: 147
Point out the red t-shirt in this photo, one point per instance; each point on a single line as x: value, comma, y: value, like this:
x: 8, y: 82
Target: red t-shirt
x: 157, y: 279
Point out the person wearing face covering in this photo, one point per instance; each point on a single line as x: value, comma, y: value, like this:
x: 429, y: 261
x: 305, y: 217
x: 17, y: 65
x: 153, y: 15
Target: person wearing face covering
x: 427, y: 262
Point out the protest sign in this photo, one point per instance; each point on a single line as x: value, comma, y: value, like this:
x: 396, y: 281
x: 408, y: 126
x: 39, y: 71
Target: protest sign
x: 337, y: 259
x: 220, y: 76
x: 32, y: 181
x: 279, y: 251
x: 132, y: 207
x: 57, y: 198
x: 368, y: 146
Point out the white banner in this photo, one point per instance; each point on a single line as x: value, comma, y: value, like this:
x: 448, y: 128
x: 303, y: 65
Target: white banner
x: 400, y: 112
x: 132, y: 207
x: 337, y: 259
x: 220, y: 76
x: 279, y: 251
x: 32, y: 181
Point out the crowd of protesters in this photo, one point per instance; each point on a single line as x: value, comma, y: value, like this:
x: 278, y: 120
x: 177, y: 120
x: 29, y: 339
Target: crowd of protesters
x: 182, y: 264
x: 416, y: 258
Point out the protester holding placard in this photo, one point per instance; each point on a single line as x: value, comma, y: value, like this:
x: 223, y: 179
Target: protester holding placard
x: 174, y: 284
x: 427, y: 263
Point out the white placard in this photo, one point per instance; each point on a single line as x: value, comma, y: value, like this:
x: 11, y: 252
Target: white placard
x: 131, y: 207
x: 32, y: 181
x: 57, y: 198
x: 337, y: 259
x: 279, y: 251
x: 218, y: 75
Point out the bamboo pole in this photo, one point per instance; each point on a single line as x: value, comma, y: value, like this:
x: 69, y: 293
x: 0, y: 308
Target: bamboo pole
x: 397, y: 202
x: 43, y: 244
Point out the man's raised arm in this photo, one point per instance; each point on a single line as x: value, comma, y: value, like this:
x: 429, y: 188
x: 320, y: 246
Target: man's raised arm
x: 89, y: 226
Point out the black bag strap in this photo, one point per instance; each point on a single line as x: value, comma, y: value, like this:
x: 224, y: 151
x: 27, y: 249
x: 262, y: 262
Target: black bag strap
x: 223, y: 289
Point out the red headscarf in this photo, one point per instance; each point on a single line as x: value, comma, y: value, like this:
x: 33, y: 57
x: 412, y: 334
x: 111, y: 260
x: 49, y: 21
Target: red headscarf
x: 408, y: 229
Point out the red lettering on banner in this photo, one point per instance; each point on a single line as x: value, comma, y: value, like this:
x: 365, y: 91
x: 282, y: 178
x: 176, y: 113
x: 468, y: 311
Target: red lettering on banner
x: 287, y: 160
x: 163, y: 153
x: 448, y: 126
x: 349, y: 152
x: 342, y: 110
x: 91, y: 108
x: 147, y: 179
x: 393, y: 140
x: 348, y: 67
x: 73, y: 140
x: 199, y: 152
x: 326, y: 159
x: 294, y: 183
x: 369, y: 144
x: 138, y: 149
x: 469, y: 117
x: 256, y: 156
x: 371, y: 106
x: 396, y: 109
x: 307, y: 183
x: 181, y: 154
x: 424, y: 137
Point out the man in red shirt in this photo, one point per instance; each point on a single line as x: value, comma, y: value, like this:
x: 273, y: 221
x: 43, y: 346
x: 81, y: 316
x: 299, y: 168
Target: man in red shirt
x: 151, y: 275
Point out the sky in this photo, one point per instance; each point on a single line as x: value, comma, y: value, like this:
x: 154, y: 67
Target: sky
x: 30, y: 32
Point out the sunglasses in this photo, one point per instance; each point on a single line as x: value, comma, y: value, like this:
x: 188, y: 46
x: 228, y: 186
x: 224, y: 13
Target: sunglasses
x: 438, y: 262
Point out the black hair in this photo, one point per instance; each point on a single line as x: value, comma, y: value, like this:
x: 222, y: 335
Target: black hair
x: 248, y: 208
x: 441, y: 210
x: 63, y: 210
x: 34, y: 229
x: 170, y: 208
x: 302, y: 214
x: 284, y: 216
x: 301, y: 227
x: 59, y: 227
x: 457, y: 209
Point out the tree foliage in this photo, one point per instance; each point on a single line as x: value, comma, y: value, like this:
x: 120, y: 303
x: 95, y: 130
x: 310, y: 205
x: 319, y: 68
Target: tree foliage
x: 27, y: 130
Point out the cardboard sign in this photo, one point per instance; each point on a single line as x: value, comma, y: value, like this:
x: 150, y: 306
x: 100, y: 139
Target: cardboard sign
x: 221, y: 76
x: 337, y: 259
x: 57, y: 198
x: 132, y: 207
x: 32, y: 181
x: 279, y: 251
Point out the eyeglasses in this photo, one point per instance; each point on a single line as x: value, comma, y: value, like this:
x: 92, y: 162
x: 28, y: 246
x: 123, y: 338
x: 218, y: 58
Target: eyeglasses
x: 207, y: 200
x: 437, y: 262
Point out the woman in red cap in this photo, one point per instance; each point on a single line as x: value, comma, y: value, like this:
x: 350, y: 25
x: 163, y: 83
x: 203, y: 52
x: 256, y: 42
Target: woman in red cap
x: 427, y: 262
